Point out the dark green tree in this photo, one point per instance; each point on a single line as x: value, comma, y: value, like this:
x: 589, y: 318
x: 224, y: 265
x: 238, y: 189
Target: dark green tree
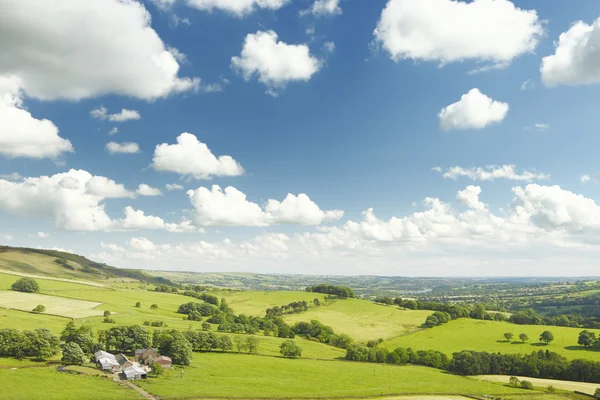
x: 523, y: 337
x: 138, y: 304
x: 546, y: 337
x: 290, y: 349
x: 72, y: 354
x: 41, y: 343
x: 26, y: 285
x: 40, y: 308
x: 225, y: 343
x: 180, y: 351
x: 206, y: 326
x: 154, y: 306
x: 252, y: 344
x: 586, y: 338
x: 156, y: 369
x: 508, y: 336
x: 106, y: 313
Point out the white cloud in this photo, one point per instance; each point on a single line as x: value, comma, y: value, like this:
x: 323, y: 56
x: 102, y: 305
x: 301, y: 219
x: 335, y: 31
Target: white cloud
x: 322, y: 8
x: 190, y: 157
x: 15, y: 176
x: 275, y: 63
x: 163, y: 4
x: 97, y: 186
x: 470, y: 198
x: 40, y: 235
x: 239, y: 8
x: 491, y: 173
x: 137, y: 219
x: 146, y: 190
x: 122, y: 116
x: 542, y: 127
x: 329, y: 47
x: 57, y: 61
x: 122, y: 148
x: 173, y: 186
x: 474, y: 111
x: 113, y: 131
x: 585, y: 179
x: 229, y: 207
x: 576, y: 59
x: 451, y: 31
x: 8, y: 238
x: 526, y: 85
x: 22, y: 135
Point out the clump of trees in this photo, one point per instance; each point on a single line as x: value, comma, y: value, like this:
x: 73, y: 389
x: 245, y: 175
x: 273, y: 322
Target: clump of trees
x: 82, y: 336
x: 72, y: 354
x: 26, y: 285
x: 340, y: 291
x: 155, y: 323
x: 174, y: 344
x: 295, y: 307
x: 588, y: 339
x: 290, y: 349
x: 125, y: 339
x: 209, y: 341
x: 39, y: 343
x: 314, y: 330
x: 40, y: 308
x: 399, y: 356
x: 436, y: 319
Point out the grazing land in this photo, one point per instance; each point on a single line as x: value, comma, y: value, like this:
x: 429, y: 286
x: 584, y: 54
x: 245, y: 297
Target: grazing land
x: 364, y: 320
x: 256, y: 303
x: 49, y: 384
x: 245, y: 376
x: 583, y: 387
x: 470, y: 334
x: 54, y: 305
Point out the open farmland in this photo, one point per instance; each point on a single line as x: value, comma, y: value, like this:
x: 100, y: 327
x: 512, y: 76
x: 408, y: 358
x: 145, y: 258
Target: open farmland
x: 470, y: 334
x: 256, y: 303
x: 54, y: 305
x: 583, y: 387
x: 364, y: 320
x: 245, y: 376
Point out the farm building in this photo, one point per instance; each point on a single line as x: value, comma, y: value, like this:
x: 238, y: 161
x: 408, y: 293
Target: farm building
x: 133, y: 373
x: 145, y: 356
x: 164, y: 361
x: 106, y: 361
x: 123, y: 361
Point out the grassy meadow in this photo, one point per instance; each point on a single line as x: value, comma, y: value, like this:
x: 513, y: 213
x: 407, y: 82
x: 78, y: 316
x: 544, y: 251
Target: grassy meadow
x: 256, y: 303
x: 48, y: 384
x: 54, y: 305
x: 364, y: 320
x: 246, y: 376
x: 471, y: 334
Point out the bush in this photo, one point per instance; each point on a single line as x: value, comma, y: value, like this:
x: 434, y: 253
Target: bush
x: 40, y: 308
x: 108, y: 320
x: 106, y: 313
x: 156, y: 369
x: 597, y: 394
x: 26, y: 285
x: 138, y: 304
x: 551, y: 389
x: 527, y: 385
x: 154, y: 306
x: 206, y: 326
x: 514, y: 381
x: 290, y: 349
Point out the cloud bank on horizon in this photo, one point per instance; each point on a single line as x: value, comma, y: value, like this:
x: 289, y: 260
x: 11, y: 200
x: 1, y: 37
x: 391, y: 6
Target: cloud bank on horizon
x: 286, y: 136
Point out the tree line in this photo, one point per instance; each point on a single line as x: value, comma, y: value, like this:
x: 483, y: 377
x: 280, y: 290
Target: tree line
x: 295, y: 307
x: 340, y: 291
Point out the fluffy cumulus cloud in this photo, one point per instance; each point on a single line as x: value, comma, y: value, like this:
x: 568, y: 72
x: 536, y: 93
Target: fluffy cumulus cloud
x: 21, y: 134
x: 239, y: 8
x: 274, y: 62
x: 122, y: 116
x: 491, y: 173
x: 449, y: 31
x: 75, y: 201
x: 463, y: 237
x: 322, y: 8
x: 576, y: 60
x: 127, y: 56
x: 147, y: 190
x: 230, y: 207
x: 122, y: 148
x: 474, y: 110
x: 190, y: 157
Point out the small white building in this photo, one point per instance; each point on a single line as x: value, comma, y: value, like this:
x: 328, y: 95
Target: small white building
x: 134, y: 372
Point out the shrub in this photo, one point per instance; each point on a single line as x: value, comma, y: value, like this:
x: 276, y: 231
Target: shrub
x: 154, y: 306
x: 108, y: 320
x: 26, y: 285
x: 156, y: 369
x: 290, y: 349
x: 551, y: 389
x: 514, y: 381
x: 138, y: 304
x: 40, y: 308
x: 597, y: 394
x: 527, y: 385
x: 206, y: 326
x: 106, y: 313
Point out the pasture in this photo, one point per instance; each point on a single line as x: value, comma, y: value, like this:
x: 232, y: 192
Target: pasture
x: 54, y: 305
x: 247, y: 376
x: 583, y: 387
x: 256, y: 303
x: 364, y: 320
x: 471, y: 334
x: 48, y: 384
x: 27, y: 321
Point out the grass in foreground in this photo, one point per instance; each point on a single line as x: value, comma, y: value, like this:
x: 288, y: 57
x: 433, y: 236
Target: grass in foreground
x: 49, y: 384
x: 247, y: 376
x: 364, y: 320
x: 470, y: 334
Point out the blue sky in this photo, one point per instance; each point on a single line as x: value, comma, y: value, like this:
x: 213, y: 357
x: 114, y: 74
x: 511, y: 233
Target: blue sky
x: 316, y: 106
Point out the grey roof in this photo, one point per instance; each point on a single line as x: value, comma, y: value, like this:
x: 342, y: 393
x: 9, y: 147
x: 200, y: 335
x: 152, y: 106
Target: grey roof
x: 133, y: 371
x: 103, y: 354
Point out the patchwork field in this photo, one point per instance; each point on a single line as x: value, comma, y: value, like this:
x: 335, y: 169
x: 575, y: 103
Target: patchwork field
x: 54, y: 305
x: 246, y: 376
x: 470, y: 334
x: 28, y: 321
x: 589, y: 388
x: 364, y: 320
x: 48, y: 384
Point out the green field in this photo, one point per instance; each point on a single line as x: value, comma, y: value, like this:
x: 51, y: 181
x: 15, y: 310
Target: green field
x: 54, y: 305
x: 256, y: 303
x: 470, y: 334
x: 364, y: 320
x: 48, y: 384
x: 246, y: 376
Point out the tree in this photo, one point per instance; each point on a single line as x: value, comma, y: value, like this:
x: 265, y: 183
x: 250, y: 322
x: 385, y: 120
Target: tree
x: 108, y: 320
x: 252, y: 344
x: 546, y: 337
x: 523, y: 337
x: 72, y: 354
x: 508, y: 336
x: 180, y: 351
x: 290, y: 349
x: 586, y: 338
x: 240, y: 344
x: 138, y: 304
x: 106, y: 313
x: 597, y: 394
x: 154, y: 306
x: 478, y: 312
x: 40, y: 308
x: 26, y: 285
x: 156, y: 369
x: 225, y: 343
x: 42, y: 343
x: 206, y: 326
x: 431, y: 321
x: 527, y: 385
x: 551, y: 389
x: 514, y: 381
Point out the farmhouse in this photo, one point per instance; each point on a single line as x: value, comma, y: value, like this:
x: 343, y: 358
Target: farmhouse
x: 146, y: 356
x: 106, y: 361
x: 164, y: 361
